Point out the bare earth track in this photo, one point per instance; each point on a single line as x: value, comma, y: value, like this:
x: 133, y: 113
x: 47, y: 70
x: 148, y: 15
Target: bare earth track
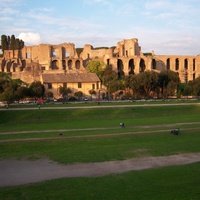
x: 19, y: 172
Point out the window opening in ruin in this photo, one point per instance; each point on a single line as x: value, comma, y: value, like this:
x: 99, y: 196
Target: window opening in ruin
x: 65, y: 85
x: 28, y: 55
x: 54, y: 64
x: 177, y: 64
x: 153, y: 64
x: 131, y: 66
x: 64, y: 64
x: 54, y: 53
x: 186, y: 64
x: 78, y: 64
x: 66, y: 54
x: 142, y: 65
x: 120, y: 68
x: 108, y: 62
x: 168, y: 64
x: 194, y: 64
x: 70, y: 64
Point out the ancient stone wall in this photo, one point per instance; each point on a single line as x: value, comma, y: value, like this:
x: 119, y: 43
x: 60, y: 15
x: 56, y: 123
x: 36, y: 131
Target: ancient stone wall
x: 125, y: 58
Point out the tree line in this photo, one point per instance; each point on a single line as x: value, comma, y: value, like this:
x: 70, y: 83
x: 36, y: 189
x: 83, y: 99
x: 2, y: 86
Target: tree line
x: 11, y: 43
x: 15, y: 89
x: 148, y: 84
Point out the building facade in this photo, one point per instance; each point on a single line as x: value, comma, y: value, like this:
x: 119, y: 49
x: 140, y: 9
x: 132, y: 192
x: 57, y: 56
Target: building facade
x: 63, y: 64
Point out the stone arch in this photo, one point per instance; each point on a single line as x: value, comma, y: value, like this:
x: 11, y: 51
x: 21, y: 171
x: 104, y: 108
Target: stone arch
x: 69, y: 63
x: 194, y: 64
x: 131, y: 66
x: 54, y: 64
x: 142, y: 65
x: 168, y: 64
x: 13, y: 66
x: 8, y: 66
x: 77, y: 64
x: 177, y: 64
x: 120, y: 68
x: 153, y: 64
x: 186, y: 64
x: 64, y: 64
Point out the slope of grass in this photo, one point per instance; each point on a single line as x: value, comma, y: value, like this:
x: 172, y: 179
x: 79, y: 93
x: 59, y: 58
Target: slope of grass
x: 88, y: 118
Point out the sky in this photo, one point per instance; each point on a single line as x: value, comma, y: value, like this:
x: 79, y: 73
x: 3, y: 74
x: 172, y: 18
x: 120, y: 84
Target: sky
x: 162, y: 26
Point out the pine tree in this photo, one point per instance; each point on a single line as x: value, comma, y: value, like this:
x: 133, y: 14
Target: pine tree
x: 12, y: 43
x: 4, y: 42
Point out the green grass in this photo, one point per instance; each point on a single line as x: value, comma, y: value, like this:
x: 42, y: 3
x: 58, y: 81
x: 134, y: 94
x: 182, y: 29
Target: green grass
x: 104, y: 148
x: 90, y: 149
x: 90, y: 118
x: 168, y: 183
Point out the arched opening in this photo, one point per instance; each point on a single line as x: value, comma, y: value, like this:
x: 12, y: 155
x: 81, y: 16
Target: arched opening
x: 186, y: 64
x: 194, y: 76
x: 78, y: 64
x: 153, y: 64
x: 194, y: 64
x: 8, y: 66
x: 69, y: 64
x: 108, y: 62
x: 120, y: 68
x: 54, y: 53
x: 131, y: 66
x: 142, y: 65
x: 177, y: 64
x: 168, y: 64
x: 64, y: 64
x: 54, y: 64
x: 13, y: 66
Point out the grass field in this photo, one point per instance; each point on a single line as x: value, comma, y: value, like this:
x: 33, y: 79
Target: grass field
x: 93, y: 135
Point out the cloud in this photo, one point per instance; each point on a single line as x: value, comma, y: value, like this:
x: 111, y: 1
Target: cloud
x: 30, y: 38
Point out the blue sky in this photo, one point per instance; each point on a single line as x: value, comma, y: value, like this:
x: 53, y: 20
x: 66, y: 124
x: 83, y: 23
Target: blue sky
x: 165, y: 26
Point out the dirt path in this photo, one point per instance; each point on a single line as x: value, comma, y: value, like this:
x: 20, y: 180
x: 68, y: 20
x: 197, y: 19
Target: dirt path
x: 98, y: 128
x: 100, y: 135
x: 19, y: 172
x: 101, y: 106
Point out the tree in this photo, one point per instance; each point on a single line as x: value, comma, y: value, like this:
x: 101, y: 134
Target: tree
x: 64, y: 91
x: 96, y: 67
x: 168, y: 81
x: 12, y: 43
x: 4, y: 42
x: 78, y: 94
x: 11, y: 89
x: 92, y: 92
x: 37, y: 89
x: 111, y: 81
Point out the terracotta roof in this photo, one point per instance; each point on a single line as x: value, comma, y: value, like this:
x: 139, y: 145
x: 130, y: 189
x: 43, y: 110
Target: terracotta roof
x: 70, y: 78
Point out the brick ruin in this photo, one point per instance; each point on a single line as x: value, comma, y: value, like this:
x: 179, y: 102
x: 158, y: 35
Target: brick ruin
x: 31, y: 62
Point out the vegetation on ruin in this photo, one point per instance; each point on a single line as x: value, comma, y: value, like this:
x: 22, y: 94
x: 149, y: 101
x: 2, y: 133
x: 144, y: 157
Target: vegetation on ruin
x: 15, y: 89
x: 11, y: 43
